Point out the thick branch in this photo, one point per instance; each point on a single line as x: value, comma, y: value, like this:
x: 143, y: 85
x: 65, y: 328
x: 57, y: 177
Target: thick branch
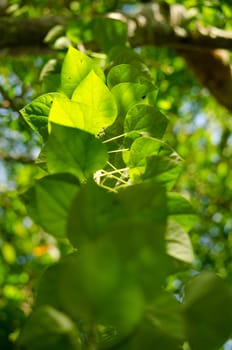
x: 26, y: 32
x: 214, y: 71
x: 19, y: 159
x: 162, y: 24
x: 154, y: 24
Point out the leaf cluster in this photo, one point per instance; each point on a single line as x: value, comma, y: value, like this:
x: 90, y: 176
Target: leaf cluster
x: 106, y: 185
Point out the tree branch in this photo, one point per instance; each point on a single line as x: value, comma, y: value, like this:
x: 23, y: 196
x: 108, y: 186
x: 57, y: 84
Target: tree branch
x: 26, y: 32
x: 153, y: 24
x: 162, y: 24
x: 148, y: 26
x: 214, y: 71
x: 19, y: 159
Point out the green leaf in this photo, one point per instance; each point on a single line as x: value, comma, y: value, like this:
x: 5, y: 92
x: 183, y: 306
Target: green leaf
x: 130, y: 224
x: 91, y: 286
x: 179, y: 245
x: 165, y: 313
x: 36, y: 113
x: 142, y: 148
x: 49, y: 329
x: 97, y: 103
x: 121, y: 54
x: 108, y: 30
x: 66, y: 112
x: 92, y: 201
x: 49, y: 202
x: 128, y: 94
x: 106, y: 209
x: 163, y: 170
x: 145, y: 202
x: 92, y: 107
x: 128, y: 73
x: 140, y: 246
x: 152, y: 159
x: 207, y: 310
x: 139, y: 237
x: 148, y: 335
x: 144, y: 120
x: 74, y: 150
x: 181, y: 210
x: 76, y: 66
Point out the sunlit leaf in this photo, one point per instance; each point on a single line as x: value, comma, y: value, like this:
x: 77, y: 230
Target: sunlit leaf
x: 76, y: 67
x: 97, y: 103
x: 66, y: 112
x: 91, y: 109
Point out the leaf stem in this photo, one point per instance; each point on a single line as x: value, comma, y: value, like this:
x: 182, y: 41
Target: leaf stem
x: 108, y: 188
x: 120, y: 171
x: 116, y: 178
x: 115, y: 138
x: 119, y: 150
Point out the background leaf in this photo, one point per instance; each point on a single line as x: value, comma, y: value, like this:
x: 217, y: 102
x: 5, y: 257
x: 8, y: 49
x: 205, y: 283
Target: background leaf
x: 108, y: 30
x: 181, y: 210
x: 207, y: 310
x: 165, y: 313
x: 49, y: 329
x: 179, y: 245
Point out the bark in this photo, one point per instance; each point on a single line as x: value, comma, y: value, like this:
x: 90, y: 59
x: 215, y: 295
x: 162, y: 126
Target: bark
x: 206, y: 50
x: 20, y: 33
x: 153, y: 24
x: 214, y: 71
x: 18, y: 159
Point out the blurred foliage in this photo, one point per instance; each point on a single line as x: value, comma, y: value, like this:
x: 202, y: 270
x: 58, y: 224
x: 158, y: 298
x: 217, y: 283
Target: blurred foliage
x: 199, y: 129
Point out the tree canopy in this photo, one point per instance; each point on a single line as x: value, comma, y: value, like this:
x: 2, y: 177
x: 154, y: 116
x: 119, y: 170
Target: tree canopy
x: 115, y: 175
